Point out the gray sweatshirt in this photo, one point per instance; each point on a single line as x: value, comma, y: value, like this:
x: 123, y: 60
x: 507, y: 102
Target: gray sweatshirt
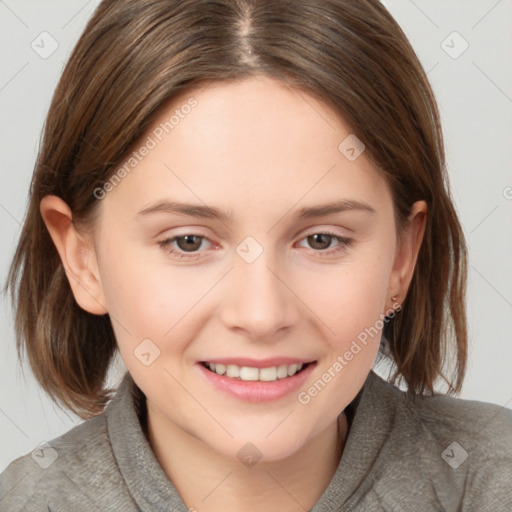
x: 402, y: 454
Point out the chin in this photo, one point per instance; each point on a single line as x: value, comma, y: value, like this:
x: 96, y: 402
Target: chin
x: 257, y: 449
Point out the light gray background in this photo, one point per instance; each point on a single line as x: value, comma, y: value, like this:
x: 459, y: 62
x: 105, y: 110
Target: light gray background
x: 474, y: 93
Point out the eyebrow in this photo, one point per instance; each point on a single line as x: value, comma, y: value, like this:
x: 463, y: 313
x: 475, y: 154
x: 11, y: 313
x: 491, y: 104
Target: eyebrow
x: 211, y: 212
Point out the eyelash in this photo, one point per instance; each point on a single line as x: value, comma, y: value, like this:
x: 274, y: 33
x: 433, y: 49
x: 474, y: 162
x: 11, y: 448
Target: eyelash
x: 344, y: 243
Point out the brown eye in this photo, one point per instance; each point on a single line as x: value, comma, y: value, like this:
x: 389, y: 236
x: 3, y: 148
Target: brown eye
x: 320, y: 241
x: 189, y: 242
x: 185, y: 246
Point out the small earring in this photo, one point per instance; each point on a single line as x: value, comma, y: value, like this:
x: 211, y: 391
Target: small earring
x: 394, y: 299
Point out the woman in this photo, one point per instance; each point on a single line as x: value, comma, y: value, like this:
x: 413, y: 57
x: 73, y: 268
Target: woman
x: 248, y: 200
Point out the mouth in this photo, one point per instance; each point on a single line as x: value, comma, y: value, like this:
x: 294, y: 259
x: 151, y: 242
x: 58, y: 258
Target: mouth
x: 257, y: 381
x: 252, y: 373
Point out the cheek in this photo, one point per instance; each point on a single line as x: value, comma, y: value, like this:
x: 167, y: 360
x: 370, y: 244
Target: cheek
x: 351, y: 297
x: 350, y: 303
x: 149, y: 299
x: 145, y: 293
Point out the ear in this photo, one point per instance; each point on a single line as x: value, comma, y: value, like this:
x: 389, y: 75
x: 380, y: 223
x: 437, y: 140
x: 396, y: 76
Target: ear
x: 407, y: 252
x: 76, y: 253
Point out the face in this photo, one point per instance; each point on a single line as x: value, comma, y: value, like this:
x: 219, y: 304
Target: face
x: 269, y: 277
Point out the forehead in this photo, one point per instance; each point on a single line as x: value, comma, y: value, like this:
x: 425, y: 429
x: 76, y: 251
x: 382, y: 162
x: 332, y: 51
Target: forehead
x: 252, y: 143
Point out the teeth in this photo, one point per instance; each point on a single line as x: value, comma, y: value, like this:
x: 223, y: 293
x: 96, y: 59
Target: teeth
x: 252, y: 374
x: 282, y: 371
x: 231, y: 371
x: 247, y: 373
x: 268, y: 374
x: 292, y: 369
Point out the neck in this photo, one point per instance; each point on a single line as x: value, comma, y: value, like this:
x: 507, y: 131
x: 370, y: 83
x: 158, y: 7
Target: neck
x: 209, y: 482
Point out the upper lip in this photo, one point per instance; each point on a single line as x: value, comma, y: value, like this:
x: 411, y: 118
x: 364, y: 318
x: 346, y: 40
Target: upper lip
x: 257, y: 363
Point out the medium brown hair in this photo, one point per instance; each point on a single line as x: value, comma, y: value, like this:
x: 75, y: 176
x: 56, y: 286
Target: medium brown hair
x: 134, y: 57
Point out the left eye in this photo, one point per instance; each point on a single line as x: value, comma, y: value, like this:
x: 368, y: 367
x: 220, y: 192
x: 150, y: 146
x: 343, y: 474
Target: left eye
x: 188, y: 245
x: 320, y: 239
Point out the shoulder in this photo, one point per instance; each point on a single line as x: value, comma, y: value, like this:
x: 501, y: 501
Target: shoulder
x: 71, y: 468
x: 444, y: 416
x: 482, y: 430
x: 476, y: 441
x: 463, y: 448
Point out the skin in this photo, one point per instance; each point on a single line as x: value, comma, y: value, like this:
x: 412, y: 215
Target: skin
x: 260, y: 150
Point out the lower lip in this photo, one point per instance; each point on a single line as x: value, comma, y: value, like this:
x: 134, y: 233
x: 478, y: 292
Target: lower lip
x: 257, y: 391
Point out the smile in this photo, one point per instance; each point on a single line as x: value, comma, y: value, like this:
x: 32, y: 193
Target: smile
x: 248, y: 373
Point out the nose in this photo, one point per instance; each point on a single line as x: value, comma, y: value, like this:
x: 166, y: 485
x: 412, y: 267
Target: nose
x: 259, y: 301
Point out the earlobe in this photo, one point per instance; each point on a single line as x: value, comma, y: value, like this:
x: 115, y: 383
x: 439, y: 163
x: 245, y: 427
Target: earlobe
x: 76, y: 253
x: 407, y: 253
